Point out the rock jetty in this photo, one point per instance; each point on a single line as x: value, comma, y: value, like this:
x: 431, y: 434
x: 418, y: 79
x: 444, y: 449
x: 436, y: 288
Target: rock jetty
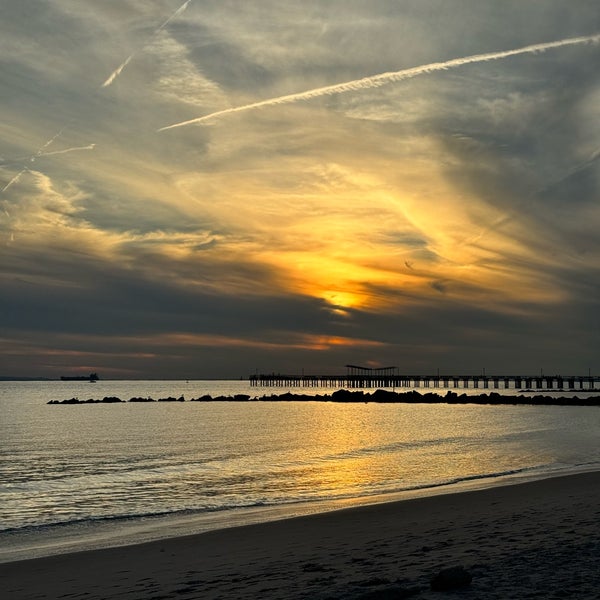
x: 380, y: 396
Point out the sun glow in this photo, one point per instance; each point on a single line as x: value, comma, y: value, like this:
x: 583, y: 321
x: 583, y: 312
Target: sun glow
x: 342, y: 299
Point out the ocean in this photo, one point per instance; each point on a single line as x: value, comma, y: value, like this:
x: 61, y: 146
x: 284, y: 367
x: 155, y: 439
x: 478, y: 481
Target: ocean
x: 76, y: 477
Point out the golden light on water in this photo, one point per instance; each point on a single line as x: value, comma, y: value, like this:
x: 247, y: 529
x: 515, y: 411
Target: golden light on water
x: 385, y: 448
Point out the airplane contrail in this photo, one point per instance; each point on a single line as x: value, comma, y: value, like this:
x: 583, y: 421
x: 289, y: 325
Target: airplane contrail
x: 120, y: 68
x: 31, y: 157
x: 13, y: 180
x: 40, y: 152
x: 375, y: 81
x: 49, y: 142
x: 173, y: 16
x: 117, y: 71
x: 67, y: 150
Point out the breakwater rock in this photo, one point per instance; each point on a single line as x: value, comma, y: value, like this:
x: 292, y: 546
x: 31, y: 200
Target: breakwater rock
x: 380, y: 396
x: 105, y: 400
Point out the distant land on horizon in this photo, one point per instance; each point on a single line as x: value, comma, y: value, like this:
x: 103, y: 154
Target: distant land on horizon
x: 22, y: 378
x: 11, y: 378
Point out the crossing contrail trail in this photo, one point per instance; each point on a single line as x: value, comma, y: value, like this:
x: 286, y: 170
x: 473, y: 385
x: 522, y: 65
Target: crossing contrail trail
x: 375, y: 81
x: 31, y: 158
x: 39, y: 152
x: 120, y: 68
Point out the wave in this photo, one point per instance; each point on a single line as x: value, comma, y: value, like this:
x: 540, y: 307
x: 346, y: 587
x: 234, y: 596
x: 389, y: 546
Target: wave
x: 126, y: 470
x: 394, y: 447
x: 361, y: 497
x: 129, y: 518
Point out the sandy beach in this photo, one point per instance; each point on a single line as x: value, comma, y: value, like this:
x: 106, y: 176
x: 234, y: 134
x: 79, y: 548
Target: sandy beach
x: 529, y: 540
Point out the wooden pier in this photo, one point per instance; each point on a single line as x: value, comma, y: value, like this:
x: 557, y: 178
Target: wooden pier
x: 389, y: 377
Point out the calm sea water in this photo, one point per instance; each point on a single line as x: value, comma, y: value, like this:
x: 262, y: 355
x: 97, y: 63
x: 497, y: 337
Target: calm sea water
x: 75, y: 477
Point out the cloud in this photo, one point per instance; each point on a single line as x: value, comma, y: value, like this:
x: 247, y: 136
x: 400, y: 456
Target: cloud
x: 451, y: 219
x: 385, y: 78
x: 179, y: 79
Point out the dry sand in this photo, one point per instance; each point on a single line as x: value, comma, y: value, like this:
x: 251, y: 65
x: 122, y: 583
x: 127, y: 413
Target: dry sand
x: 531, y: 540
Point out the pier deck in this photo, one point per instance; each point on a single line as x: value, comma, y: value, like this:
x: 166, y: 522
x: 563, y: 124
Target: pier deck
x: 356, y: 379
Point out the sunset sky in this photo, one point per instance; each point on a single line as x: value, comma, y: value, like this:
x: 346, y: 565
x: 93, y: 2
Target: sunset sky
x: 446, y: 217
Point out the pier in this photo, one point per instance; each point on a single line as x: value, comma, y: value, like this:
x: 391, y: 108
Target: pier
x: 390, y: 377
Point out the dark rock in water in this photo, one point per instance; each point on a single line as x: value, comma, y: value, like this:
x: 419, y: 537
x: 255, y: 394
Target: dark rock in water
x: 341, y: 396
x: 384, y: 396
x: 110, y: 399
x: 205, y: 398
x: 451, y: 579
x: 241, y: 397
x: 140, y: 399
x: 348, y: 396
x: 412, y: 396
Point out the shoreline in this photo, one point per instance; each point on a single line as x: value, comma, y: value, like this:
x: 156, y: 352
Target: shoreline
x: 539, y: 535
x: 92, y: 535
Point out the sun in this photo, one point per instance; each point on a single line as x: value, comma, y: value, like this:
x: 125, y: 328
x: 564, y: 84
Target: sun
x: 340, y: 300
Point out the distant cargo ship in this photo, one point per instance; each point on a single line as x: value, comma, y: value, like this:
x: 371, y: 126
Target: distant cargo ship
x: 92, y: 377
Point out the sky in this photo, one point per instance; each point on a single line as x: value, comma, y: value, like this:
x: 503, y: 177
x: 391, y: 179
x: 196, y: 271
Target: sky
x: 408, y: 183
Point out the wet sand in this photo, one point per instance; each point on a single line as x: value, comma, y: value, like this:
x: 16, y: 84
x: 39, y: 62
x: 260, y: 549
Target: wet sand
x: 529, y: 540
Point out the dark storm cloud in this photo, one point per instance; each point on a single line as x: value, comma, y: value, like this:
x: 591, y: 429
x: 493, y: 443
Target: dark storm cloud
x: 108, y: 300
x: 121, y: 305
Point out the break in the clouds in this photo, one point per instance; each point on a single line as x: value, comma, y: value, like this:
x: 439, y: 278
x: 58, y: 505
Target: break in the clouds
x: 438, y: 208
